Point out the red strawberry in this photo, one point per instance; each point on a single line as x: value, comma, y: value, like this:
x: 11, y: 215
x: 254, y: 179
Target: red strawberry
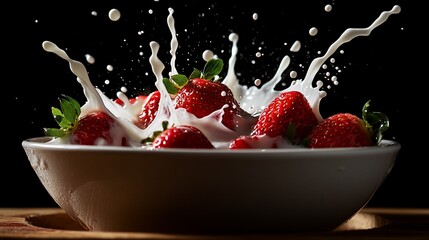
x: 202, y: 96
x: 348, y: 130
x: 261, y: 141
x: 149, y: 110
x: 288, y: 115
x: 131, y: 100
x: 181, y: 136
x: 94, y: 128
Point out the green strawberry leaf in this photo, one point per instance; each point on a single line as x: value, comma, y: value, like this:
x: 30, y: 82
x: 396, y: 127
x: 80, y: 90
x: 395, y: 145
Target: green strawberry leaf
x: 54, y: 132
x: 69, y: 110
x: 305, y: 142
x: 180, y: 80
x: 59, y: 117
x: 212, y: 68
x: 149, y: 140
x: 56, y: 111
x: 175, y: 83
x: 63, y: 122
x: 66, y: 117
x: 195, y: 74
x: 376, y: 122
x: 291, y: 133
x: 170, y: 86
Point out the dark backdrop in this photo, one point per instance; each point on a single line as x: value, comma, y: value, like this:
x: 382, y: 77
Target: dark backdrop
x: 379, y: 67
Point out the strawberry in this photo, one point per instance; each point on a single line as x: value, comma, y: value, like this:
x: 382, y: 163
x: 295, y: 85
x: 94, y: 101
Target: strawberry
x: 131, y: 100
x: 179, y: 136
x: 149, y: 110
x: 94, y: 128
x: 288, y: 115
x: 201, y: 95
x: 348, y: 130
x: 256, y: 141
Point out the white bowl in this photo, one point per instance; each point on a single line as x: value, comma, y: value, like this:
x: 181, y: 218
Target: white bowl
x: 210, y: 191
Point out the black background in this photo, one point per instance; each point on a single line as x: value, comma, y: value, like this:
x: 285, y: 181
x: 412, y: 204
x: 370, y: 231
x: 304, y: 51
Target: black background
x: 380, y: 67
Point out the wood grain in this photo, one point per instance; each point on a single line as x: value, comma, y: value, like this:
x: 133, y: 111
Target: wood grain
x: 369, y: 223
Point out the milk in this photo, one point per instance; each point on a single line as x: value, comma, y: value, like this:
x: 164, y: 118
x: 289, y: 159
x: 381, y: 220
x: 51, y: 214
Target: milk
x: 252, y: 99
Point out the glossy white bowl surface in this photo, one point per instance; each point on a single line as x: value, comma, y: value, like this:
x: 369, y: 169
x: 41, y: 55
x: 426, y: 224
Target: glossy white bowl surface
x: 210, y: 191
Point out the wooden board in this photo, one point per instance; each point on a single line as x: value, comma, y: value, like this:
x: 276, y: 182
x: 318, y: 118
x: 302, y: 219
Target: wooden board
x: 369, y: 223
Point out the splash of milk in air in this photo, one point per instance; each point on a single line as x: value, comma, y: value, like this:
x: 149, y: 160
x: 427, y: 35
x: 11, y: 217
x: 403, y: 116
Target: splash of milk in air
x: 252, y: 99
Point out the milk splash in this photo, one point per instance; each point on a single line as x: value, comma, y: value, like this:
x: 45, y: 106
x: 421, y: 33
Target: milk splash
x: 251, y: 99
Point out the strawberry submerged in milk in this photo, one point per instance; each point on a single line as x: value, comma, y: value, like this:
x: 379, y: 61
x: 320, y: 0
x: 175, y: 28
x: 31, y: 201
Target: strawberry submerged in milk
x: 216, y: 111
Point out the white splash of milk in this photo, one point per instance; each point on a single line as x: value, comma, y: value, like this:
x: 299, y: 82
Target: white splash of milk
x: 254, y: 100
x: 251, y: 99
x: 174, y: 43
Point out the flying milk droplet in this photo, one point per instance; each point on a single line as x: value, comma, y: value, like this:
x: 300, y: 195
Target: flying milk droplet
x: 296, y: 46
x: 313, y: 31
x: 207, y: 55
x: 328, y: 7
x: 114, y: 14
x: 90, y: 59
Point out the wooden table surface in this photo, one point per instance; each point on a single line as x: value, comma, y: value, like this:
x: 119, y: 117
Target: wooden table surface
x: 369, y: 223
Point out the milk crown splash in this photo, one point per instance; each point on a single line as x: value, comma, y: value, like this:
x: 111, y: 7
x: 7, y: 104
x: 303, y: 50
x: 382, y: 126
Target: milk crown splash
x: 251, y: 99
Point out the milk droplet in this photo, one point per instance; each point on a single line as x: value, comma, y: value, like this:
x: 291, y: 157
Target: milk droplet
x: 258, y: 54
x: 296, y: 46
x: 114, y: 14
x: 328, y: 7
x: 107, y: 81
x: 257, y: 82
x: 293, y: 74
x: 94, y: 13
x: 313, y: 31
x: 255, y: 16
x: 233, y: 37
x: 207, y: 55
x: 90, y: 59
x: 124, y: 89
x: 109, y: 68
